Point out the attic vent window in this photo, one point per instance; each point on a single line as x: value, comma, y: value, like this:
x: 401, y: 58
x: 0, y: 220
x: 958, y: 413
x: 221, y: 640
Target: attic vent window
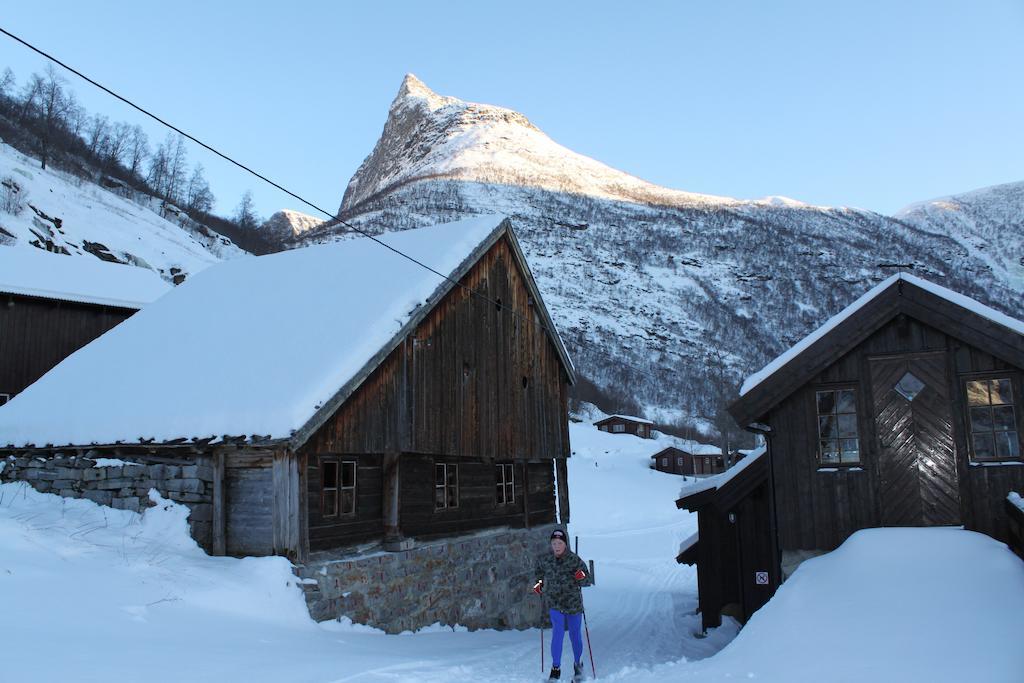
x: 909, y: 386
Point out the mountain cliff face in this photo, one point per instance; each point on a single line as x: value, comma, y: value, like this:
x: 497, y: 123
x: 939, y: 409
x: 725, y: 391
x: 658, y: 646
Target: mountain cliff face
x: 667, y: 298
x: 286, y: 225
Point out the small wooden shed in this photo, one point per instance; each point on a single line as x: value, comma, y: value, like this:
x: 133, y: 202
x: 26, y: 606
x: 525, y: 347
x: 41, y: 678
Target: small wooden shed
x: 337, y: 395
x: 626, y: 424
x: 905, y: 409
x: 51, y: 305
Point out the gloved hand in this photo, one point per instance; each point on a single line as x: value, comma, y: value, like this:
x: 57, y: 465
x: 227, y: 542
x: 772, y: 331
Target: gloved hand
x: 580, y: 575
x: 537, y: 587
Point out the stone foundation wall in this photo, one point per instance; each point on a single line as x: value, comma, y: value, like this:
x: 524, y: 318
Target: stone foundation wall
x: 122, y: 486
x: 478, y: 581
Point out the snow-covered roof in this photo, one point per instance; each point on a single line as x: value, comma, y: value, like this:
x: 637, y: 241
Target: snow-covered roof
x: 253, y: 346
x: 627, y: 417
x: 33, y: 272
x: 833, y: 322
x: 719, y: 480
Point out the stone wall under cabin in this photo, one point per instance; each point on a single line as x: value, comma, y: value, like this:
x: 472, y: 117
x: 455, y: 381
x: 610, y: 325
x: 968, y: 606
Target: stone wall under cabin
x: 478, y: 581
x: 186, y: 479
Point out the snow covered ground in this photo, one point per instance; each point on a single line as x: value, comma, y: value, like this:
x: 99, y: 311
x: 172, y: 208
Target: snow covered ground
x: 92, y: 594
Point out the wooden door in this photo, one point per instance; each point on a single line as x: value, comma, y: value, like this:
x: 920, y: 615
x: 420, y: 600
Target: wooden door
x: 917, y: 464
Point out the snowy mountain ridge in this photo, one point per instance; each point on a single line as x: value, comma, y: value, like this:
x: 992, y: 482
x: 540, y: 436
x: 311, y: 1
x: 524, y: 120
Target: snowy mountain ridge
x: 666, y: 298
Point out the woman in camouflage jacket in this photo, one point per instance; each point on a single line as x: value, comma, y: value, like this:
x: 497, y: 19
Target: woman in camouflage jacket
x: 560, y: 576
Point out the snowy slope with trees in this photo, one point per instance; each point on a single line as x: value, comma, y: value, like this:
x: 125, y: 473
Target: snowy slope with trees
x: 666, y: 299
x: 57, y: 211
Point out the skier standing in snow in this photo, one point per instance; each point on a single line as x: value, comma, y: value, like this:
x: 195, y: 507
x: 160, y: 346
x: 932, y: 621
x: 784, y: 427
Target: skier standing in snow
x: 560, y: 576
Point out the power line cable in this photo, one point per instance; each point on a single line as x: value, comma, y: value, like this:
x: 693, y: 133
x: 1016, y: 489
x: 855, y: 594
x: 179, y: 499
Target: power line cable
x: 294, y: 195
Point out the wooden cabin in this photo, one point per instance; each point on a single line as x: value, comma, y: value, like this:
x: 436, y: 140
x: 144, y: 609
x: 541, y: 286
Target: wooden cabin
x: 696, y: 459
x: 902, y: 410
x: 51, y: 305
x: 626, y: 424
x: 331, y: 397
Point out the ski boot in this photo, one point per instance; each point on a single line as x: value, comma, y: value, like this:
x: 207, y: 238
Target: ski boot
x: 577, y: 672
x: 555, y: 674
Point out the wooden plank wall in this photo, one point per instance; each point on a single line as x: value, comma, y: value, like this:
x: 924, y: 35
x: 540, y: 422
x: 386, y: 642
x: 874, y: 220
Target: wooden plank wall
x: 478, y: 508
x: 481, y: 382
x: 366, y: 524
x: 820, y: 509
x: 36, y: 334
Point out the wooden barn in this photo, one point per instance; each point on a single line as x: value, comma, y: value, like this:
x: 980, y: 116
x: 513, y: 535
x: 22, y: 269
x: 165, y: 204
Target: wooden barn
x: 337, y: 396
x: 902, y: 410
x: 626, y: 424
x: 51, y: 305
x: 695, y: 459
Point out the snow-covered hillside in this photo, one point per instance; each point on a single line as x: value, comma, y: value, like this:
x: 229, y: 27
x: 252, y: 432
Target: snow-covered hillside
x: 119, y: 592
x: 93, y: 593
x: 58, y: 211
x: 988, y: 222
x: 692, y: 290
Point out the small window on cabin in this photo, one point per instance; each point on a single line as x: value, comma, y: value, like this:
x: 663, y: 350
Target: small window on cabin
x: 505, y: 483
x: 446, y: 486
x: 329, y: 488
x: 4, y: 398
x: 994, y: 434
x: 664, y: 462
x: 679, y: 461
x: 618, y: 428
x: 838, y: 443
x: 603, y: 428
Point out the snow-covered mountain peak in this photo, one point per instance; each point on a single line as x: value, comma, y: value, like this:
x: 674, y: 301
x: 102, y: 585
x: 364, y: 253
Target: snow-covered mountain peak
x: 287, y: 224
x: 430, y: 136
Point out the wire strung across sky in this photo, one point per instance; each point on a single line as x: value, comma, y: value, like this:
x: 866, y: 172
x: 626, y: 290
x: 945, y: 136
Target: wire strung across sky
x: 331, y: 216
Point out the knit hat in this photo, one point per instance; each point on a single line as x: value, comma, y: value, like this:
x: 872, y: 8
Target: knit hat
x: 560, y: 535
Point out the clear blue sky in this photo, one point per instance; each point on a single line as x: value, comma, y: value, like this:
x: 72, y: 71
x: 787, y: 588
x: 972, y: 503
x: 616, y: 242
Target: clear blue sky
x: 867, y: 104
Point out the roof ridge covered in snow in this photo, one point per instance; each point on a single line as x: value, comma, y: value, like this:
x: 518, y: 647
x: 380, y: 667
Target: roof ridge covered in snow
x: 273, y: 342
x: 29, y: 271
x: 949, y: 295
x: 719, y: 480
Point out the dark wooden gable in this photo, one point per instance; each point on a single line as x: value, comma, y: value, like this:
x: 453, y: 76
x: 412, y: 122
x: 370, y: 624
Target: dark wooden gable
x: 902, y: 297
x: 473, y: 378
x: 38, y: 333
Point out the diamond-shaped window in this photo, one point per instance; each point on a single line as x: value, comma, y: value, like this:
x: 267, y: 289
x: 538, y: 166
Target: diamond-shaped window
x: 909, y: 386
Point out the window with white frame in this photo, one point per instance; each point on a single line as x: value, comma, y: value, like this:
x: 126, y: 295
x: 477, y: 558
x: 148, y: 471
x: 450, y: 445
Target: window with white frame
x: 4, y: 398
x: 618, y: 428
x: 994, y: 433
x: 505, y: 483
x: 446, y: 486
x: 838, y: 442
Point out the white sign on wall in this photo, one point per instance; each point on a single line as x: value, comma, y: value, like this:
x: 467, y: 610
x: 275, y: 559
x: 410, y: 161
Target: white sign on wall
x: 761, y: 578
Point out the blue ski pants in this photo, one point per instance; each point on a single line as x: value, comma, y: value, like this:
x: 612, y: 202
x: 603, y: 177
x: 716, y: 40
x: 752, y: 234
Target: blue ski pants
x: 559, y: 622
